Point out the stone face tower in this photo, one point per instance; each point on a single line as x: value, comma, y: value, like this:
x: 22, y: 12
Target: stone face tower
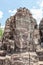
x: 20, y: 30
x: 21, y: 40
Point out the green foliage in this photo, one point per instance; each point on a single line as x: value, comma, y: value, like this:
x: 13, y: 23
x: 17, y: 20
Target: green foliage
x: 1, y: 32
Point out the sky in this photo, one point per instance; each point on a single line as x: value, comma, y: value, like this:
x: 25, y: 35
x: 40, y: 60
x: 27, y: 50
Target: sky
x: 9, y: 8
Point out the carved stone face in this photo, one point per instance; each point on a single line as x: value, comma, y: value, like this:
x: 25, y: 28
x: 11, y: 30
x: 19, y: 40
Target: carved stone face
x: 22, y: 28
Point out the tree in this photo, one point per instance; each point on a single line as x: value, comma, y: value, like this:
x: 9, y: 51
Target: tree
x: 1, y: 31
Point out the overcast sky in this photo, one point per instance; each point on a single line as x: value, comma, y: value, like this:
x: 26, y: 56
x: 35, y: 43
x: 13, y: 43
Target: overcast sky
x: 9, y: 7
